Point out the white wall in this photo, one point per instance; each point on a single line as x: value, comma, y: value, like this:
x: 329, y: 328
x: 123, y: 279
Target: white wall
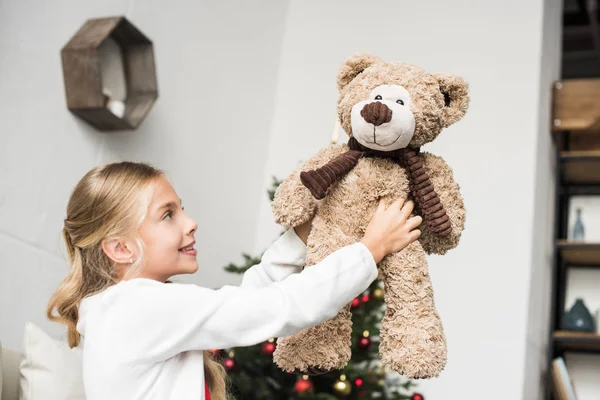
x: 483, y: 287
x: 216, y: 63
x: 542, y: 209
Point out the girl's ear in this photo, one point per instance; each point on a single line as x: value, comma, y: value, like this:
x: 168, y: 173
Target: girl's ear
x: 118, y: 251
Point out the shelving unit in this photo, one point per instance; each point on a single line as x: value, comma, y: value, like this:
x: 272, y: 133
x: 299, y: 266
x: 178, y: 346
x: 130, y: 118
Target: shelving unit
x: 576, y: 113
x: 579, y: 254
x: 581, y: 166
x: 577, y: 342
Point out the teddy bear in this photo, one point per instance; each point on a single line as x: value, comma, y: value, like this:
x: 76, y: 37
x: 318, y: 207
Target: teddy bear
x: 389, y: 110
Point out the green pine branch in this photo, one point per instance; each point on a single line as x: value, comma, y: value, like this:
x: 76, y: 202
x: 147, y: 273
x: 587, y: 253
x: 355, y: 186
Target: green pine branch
x: 249, y: 261
x: 274, y: 185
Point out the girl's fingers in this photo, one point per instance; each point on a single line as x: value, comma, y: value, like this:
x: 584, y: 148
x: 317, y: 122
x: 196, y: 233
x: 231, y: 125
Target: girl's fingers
x: 414, y: 222
x: 407, y: 209
x: 399, y: 203
x: 380, y: 206
x: 414, y: 235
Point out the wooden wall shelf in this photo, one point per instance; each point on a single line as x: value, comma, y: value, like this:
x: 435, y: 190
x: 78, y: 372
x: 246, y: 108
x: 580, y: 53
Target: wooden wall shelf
x: 109, y: 74
x: 580, y: 253
x: 577, y: 341
x: 576, y: 105
x: 581, y: 166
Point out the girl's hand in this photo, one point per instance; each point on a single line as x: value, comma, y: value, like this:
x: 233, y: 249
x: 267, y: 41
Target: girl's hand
x: 390, y: 230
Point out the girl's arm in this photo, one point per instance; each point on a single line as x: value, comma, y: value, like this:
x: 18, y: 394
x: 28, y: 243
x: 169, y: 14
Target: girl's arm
x: 152, y: 321
x: 283, y: 258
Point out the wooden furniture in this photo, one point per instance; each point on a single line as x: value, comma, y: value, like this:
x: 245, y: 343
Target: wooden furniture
x: 576, y: 130
x: 109, y: 74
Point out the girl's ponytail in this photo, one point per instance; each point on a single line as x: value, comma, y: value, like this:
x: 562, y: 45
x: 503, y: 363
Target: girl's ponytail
x: 106, y: 203
x: 68, y: 295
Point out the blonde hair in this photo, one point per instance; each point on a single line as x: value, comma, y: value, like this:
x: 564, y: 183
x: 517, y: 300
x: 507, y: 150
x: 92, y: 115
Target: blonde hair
x: 109, y: 202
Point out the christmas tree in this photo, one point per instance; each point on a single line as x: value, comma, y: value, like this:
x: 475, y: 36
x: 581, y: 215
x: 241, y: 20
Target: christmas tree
x: 254, y: 376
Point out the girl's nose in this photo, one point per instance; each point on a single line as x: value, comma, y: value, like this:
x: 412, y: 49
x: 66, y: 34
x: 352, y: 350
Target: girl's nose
x: 191, y: 225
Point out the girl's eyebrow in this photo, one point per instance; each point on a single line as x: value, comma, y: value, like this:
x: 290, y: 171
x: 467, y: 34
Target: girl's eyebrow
x: 170, y: 204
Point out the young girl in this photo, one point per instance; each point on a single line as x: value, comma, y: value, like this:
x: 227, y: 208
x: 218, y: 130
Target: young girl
x: 126, y: 234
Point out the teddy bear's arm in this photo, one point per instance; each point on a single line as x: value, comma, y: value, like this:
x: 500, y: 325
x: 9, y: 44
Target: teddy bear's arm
x: 293, y: 204
x: 448, y: 191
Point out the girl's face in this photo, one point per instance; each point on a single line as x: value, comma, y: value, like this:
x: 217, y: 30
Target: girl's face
x: 168, y: 236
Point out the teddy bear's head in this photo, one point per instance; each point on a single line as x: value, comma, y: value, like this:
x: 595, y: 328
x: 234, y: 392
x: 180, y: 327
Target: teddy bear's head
x: 389, y: 106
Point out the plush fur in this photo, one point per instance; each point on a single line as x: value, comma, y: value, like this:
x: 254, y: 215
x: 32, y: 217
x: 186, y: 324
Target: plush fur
x: 412, y: 340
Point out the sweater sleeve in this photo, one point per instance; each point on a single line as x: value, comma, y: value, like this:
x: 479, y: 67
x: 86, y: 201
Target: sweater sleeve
x: 284, y: 257
x: 156, y: 321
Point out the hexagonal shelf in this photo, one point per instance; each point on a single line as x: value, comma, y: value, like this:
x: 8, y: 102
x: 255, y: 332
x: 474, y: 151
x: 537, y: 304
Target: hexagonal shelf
x: 109, y: 74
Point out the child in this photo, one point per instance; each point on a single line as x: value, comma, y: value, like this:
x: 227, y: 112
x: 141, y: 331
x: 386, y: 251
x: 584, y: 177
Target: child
x: 126, y: 234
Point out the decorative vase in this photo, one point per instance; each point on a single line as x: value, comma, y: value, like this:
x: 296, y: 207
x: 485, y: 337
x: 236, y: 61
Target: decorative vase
x: 578, y: 229
x: 579, y: 318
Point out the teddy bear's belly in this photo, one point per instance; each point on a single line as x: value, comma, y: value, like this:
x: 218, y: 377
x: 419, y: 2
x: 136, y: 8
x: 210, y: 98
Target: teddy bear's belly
x: 351, y: 203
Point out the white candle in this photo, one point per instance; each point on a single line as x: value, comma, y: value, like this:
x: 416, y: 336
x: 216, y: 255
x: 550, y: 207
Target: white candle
x: 116, y: 107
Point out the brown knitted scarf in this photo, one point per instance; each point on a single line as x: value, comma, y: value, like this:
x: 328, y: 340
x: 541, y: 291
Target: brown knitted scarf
x: 434, y: 215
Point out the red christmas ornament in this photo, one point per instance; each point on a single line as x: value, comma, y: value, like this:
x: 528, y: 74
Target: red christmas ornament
x: 358, y: 382
x: 365, y: 342
x: 214, y: 352
x: 365, y: 298
x: 355, y: 303
x: 417, y: 396
x: 303, y: 385
x: 228, y: 363
x: 268, y: 348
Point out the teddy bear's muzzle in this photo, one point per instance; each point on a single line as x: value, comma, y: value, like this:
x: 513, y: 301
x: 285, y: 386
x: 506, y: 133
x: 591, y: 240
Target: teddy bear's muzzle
x: 376, y: 113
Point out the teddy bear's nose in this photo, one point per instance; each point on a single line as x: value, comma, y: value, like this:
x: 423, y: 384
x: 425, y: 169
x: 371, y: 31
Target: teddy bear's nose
x: 376, y: 113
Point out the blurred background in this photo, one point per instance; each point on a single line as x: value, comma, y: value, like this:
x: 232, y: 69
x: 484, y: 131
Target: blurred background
x: 247, y: 90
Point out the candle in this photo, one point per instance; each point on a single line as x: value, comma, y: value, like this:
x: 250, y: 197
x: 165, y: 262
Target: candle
x: 117, y: 107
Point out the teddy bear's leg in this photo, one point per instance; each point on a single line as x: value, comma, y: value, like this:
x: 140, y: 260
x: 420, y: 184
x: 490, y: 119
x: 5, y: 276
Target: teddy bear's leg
x: 412, y: 337
x: 324, y: 347
x: 320, y: 349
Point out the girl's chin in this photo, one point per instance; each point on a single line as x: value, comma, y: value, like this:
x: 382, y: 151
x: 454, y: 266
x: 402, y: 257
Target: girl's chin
x: 190, y: 269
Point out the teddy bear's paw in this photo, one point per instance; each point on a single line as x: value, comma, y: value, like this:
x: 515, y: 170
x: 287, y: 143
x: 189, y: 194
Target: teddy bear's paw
x: 302, y: 354
x: 293, y: 213
x: 317, y: 350
x: 419, y: 362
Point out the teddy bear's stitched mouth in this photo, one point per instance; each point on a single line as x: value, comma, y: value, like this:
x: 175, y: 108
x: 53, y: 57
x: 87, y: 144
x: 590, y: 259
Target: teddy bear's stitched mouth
x: 379, y: 144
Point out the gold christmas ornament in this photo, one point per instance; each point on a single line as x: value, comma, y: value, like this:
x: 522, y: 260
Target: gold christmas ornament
x: 378, y: 293
x: 342, y: 387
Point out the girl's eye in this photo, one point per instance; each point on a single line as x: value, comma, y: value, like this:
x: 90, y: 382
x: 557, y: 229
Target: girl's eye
x: 168, y: 215
x: 378, y: 97
x: 400, y: 102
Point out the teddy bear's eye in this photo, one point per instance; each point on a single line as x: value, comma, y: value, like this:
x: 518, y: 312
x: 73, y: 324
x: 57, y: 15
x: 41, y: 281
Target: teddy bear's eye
x: 400, y: 102
x: 378, y: 97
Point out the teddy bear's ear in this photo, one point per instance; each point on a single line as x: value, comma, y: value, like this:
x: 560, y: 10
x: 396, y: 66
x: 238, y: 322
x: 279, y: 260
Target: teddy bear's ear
x: 456, y: 97
x: 353, y: 66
